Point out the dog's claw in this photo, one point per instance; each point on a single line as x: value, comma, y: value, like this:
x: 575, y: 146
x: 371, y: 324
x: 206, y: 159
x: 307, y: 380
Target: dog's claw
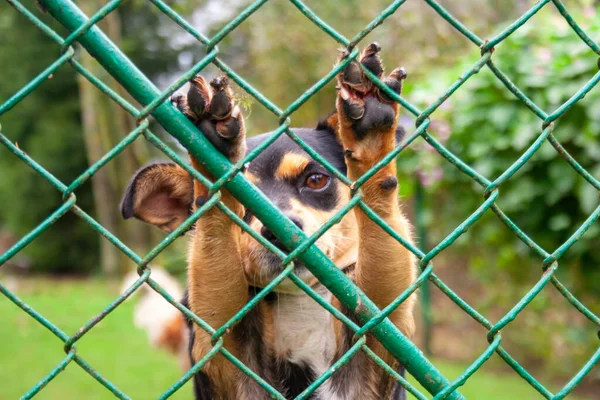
x: 373, y: 48
x: 220, y: 82
x: 399, y: 74
x: 354, y: 108
x: 231, y: 127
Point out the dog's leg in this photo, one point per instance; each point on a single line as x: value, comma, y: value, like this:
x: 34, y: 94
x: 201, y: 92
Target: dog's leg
x: 216, y: 282
x: 367, y: 122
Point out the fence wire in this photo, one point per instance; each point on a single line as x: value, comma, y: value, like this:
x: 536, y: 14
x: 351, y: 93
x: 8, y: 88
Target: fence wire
x: 372, y: 320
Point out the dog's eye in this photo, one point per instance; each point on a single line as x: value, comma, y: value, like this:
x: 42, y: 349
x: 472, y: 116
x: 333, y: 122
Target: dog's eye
x: 316, y: 181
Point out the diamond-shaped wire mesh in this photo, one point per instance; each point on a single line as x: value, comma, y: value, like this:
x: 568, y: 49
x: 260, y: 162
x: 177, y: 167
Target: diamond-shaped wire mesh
x: 371, y: 319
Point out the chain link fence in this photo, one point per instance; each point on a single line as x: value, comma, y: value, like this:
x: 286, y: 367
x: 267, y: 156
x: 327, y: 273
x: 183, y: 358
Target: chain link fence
x: 372, y: 320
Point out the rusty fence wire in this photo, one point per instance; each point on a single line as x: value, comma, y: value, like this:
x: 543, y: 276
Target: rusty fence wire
x: 371, y: 320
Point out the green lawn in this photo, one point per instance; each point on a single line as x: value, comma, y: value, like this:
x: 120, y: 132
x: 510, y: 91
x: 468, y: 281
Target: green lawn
x: 488, y: 385
x: 121, y: 353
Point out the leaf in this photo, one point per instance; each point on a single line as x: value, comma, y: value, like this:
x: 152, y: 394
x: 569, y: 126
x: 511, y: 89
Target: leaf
x: 589, y: 198
x: 559, y: 222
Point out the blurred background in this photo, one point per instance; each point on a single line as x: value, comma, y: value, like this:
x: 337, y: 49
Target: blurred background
x: 70, y: 273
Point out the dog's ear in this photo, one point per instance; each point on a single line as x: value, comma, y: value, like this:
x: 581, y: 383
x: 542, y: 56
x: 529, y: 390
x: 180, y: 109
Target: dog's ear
x: 331, y: 124
x: 160, y: 194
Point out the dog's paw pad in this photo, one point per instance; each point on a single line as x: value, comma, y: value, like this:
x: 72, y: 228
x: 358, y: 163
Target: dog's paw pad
x: 361, y: 102
x: 213, y: 111
x: 353, y: 107
x: 230, y: 128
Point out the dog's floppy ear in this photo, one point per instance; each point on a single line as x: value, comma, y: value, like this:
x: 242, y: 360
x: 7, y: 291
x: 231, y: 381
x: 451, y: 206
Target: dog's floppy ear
x: 160, y: 194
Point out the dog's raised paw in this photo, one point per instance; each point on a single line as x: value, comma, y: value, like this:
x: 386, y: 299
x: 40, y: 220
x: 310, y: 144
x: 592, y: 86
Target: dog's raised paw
x: 363, y: 107
x: 212, y: 109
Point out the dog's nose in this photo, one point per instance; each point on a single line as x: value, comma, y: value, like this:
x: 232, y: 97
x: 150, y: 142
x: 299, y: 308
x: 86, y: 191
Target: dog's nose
x: 267, y: 234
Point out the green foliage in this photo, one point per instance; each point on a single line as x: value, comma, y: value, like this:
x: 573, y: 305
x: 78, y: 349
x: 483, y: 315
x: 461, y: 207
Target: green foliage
x: 282, y: 53
x: 46, y: 126
x: 488, y: 128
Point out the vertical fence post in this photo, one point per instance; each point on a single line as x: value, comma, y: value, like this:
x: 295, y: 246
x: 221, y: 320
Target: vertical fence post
x: 420, y: 207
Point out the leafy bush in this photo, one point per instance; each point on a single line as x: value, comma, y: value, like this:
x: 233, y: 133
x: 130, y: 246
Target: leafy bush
x: 487, y: 127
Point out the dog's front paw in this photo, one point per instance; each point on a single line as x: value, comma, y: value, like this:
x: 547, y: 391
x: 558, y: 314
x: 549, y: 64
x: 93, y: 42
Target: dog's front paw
x: 212, y: 109
x: 367, y: 116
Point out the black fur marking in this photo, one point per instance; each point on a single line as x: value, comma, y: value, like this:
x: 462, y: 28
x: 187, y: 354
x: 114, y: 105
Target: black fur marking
x: 200, y: 200
x: 270, y: 298
x: 324, y: 124
x: 399, y: 393
x: 281, y: 191
x: 400, y: 133
x: 191, y: 198
x: 202, y: 386
x: 390, y: 183
x: 248, y: 217
x: 249, y: 329
x: 295, y: 378
x: 127, y: 202
x: 359, y: 361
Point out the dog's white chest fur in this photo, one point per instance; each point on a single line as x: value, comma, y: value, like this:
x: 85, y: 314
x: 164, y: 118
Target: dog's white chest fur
x: 304, y: 332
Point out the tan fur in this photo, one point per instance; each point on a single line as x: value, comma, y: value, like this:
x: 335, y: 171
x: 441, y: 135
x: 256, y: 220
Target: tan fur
x: 223, y: 262
x: 385, y: 268
x: 291, y: 166
x: 217, y: 284
x: 252, y: 178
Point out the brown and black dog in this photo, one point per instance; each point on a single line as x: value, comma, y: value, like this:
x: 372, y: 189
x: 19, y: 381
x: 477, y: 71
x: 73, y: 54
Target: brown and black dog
x: 288, y: 339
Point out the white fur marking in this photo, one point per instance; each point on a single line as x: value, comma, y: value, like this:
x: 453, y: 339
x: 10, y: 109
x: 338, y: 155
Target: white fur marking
x: 304, y: 335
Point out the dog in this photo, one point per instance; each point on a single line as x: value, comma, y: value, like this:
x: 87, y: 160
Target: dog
x: 163, y: 323
x: 288, y: 339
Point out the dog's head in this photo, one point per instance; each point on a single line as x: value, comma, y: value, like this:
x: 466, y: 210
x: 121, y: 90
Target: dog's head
x: 162, y: 194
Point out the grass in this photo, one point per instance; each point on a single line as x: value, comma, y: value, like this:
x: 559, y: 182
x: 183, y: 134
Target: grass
x: 488, y: 385
x: 120, y: 352
x: 115, y: 348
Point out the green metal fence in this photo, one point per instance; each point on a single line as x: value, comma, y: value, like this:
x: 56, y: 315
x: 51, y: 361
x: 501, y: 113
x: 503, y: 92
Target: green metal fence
x: 372, y: 320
